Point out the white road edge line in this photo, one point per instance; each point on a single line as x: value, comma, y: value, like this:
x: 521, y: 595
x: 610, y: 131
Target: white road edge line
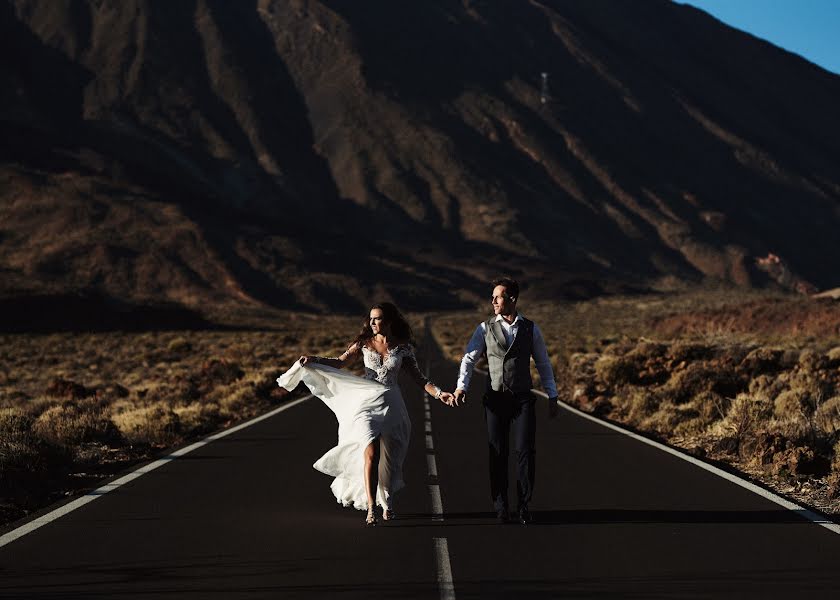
x: 110, y: 487
x: 444, y: 570
x: 437, y: 503
x: 432, y: 464
x: 801, y: 510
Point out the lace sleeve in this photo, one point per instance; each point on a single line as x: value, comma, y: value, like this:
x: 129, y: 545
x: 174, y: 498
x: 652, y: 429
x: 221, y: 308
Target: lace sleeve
x: 409, y: 365
x: 348, y: 358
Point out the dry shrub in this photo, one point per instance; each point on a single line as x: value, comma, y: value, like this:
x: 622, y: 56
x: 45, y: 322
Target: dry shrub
x: 765, y: 447
x: 683, y: 351
x: 800, y: 460
x: 266, y: 388
x: 811, y: 389
x: 792, y: 404
x: 178, y: 345
x: 827, y: 416
x: 762, y: 361
x: 156, y: 425
x: 641, y: 404
x: 811, y: 361
x: 18, y: 445
x: 111, y: 391
x: 767, y: 387
x: 64, y: 388
x: 745, y: 417
x: 710, y: 407
x: 76, y: 422
x: 615, y: 371
x: 582, y: 364
x: 199, y: 418
x: 834, y: 478
x: 701, y: 377
x: 833, y: 357
x: 670, y: 419
x: 239, y: 401
x: 23, y: 454
x: 35, y: 406
x: 213, y: 373
x: 647, y: 350
x: 684, y: 384
x: 835, y: 461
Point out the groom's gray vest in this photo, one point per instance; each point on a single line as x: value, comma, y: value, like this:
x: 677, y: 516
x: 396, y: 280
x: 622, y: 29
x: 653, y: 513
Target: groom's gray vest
x: 509, y: 369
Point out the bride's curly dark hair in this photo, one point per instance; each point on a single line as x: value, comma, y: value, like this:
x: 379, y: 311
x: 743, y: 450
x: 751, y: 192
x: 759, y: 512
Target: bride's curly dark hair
x: 400, y: 329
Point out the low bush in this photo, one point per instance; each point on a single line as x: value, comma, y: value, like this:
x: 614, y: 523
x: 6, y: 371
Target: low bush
x: 615, y: 371
x: 745, y: 417
x: 827, y: 416
x: 641, y: 404
x: 199, y: 418
x: 155, y: 425
x: 24, y: 456
x: 76, y: 422
x: 762, y: 361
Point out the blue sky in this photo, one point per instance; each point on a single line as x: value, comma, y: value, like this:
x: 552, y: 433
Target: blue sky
x: 810, y: 28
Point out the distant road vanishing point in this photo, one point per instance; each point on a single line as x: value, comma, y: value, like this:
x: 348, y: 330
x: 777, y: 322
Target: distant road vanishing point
x: 246, y: 516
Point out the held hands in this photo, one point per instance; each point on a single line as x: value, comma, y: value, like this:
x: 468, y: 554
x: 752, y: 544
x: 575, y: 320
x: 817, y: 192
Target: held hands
x: 447, y: 398
x: 459, y: 397
x: 305, y: 359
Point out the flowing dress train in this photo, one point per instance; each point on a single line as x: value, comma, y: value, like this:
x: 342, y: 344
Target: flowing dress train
x: 366, y: 409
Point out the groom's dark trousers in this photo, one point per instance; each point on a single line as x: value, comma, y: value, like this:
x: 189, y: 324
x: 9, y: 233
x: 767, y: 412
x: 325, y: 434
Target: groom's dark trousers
x: 503, y: 410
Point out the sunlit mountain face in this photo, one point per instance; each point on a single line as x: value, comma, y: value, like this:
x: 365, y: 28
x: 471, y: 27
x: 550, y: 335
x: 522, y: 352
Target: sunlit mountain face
x: 323, y: 155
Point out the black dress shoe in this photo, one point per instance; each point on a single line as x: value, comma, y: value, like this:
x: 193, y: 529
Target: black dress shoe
x: 525, y: 516
x: 503, y: 515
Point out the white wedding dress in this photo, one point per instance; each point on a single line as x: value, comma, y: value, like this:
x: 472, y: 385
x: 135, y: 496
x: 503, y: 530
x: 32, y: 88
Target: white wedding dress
x: 366, y: 409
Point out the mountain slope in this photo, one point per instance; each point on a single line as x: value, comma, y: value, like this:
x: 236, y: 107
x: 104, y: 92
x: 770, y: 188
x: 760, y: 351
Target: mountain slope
x: 320, y: 155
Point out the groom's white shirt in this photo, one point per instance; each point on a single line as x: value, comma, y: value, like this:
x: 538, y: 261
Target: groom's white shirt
x: 477, y: 347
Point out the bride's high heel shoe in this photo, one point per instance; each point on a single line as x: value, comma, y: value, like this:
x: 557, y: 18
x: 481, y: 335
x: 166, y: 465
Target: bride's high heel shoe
x: 388, y: 515
x: 371, y: 519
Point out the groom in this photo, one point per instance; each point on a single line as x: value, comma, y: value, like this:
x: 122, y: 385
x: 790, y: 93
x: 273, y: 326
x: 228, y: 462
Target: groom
x: 509, y: 340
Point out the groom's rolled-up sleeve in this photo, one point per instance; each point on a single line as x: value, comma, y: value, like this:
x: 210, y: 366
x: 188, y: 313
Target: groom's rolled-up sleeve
x: 475, y: 349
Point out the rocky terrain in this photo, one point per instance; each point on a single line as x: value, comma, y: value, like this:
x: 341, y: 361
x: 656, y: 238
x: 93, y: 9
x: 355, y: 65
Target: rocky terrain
x: 207, y: 155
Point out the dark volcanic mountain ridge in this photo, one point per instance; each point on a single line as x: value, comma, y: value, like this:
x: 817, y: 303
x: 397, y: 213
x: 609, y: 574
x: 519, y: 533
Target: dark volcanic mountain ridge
x: 319, y: 155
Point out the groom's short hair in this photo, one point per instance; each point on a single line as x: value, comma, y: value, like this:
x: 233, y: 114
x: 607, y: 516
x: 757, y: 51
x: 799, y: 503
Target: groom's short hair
x: 511, y: 287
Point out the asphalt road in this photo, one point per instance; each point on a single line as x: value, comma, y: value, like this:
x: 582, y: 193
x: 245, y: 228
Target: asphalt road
x: 247, y: 517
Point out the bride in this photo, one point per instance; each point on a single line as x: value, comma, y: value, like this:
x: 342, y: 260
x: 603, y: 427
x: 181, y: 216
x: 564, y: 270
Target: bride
x: 373, y: 423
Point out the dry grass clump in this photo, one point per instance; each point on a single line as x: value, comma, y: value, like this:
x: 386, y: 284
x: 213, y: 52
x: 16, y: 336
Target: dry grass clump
x: 21, y: 451
x: 156, y: 425
x: 198, y: 418
x: 76, y: 422
x: 827, y: 416
x: 29, y: 465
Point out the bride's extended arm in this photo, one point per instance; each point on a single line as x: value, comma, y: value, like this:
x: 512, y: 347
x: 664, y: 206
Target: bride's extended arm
x: 410, y: 365
x: 342, y: 361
